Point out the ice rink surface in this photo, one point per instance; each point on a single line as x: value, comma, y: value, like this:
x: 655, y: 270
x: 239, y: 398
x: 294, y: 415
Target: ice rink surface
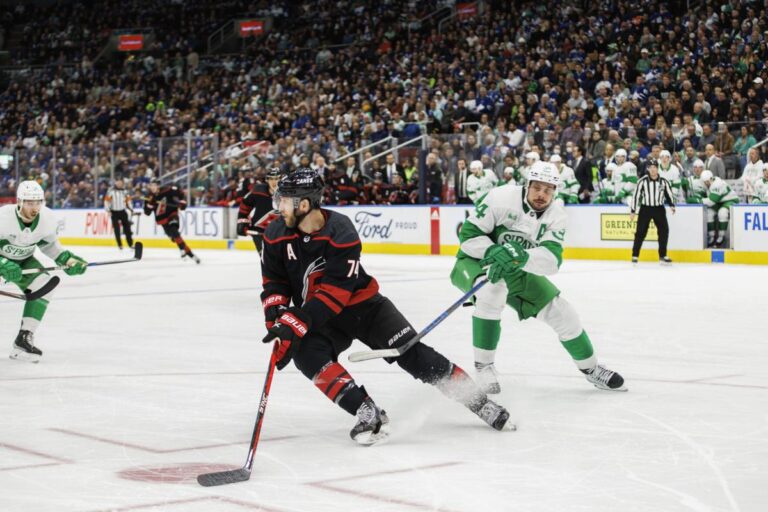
x: 152, y: 373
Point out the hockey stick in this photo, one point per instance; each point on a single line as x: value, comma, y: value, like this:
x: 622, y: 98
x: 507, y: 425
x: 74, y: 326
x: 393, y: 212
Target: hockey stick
x: 244, y: 473
x: 138, y: 252
x: 394, y: 352
x: 41, y: 292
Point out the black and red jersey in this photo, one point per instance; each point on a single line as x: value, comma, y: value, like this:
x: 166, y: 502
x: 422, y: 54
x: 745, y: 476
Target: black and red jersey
x: 320, y: 272
x: 165, y: 204
x: 259, y: 201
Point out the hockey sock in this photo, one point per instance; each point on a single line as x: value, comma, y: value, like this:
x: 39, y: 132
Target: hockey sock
x: 33, y: 314
x: 336, y: 383
x: 485, y: 338
x: 182, y: 245
x: 580, y: 349
x: 458, y: 386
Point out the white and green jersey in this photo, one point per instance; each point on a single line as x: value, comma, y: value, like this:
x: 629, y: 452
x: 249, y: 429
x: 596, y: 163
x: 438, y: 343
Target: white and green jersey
x: 18, y: 241
x: 504, y: 215
x: 521, y: 174
x: 752, y: 173
x: 625, y: 181
x: 696, y: 190
x: 477, y: 187
x: 568, y: 189
x: 760, y: 194
x: 720, y: 194
x: 672, y: 175
x: 607, y: 191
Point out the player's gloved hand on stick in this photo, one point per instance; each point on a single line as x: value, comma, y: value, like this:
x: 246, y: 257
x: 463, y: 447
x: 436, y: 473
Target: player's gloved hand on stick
x: 288, y: 331
x: 74, y: 265
x: 10, y: 270
x: 242, y: 226
x: 274, y: 305
x: 503, y: 260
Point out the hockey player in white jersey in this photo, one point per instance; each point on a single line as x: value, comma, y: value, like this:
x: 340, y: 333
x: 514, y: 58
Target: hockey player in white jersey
x: 671, y: 172
x: 693, y: 187
x: 480, y: 180
x: 753, y: 172
x: 515, y: 236
x: 718, y: 201
x: 624, y: 177
x: 23, y: 227
x: 760, y: 195
x: 568, y: 189
x: 607, y: 186
x: 531, y: 158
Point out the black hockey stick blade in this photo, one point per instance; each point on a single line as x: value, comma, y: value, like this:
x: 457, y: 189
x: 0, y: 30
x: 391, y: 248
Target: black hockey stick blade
x: 44, y: 290
x: 224, y: 477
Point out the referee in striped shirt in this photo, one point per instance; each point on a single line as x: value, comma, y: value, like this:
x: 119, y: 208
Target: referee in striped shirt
x: 118, y: 203
x: 650, y: 195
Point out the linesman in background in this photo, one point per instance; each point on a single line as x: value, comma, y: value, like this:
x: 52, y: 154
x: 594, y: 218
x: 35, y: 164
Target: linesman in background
x: 117, y: 202
x: 651, y: 194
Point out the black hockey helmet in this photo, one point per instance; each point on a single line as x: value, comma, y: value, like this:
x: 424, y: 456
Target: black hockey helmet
x: 303, y: 183
x: 274, y: 173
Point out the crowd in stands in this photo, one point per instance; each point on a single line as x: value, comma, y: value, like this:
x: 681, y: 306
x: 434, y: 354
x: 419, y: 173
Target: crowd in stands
x: 335, y: 76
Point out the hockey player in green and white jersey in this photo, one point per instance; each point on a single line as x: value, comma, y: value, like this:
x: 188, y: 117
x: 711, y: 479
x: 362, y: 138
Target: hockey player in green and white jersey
x: 671, y: 172
x: 480, y: 180
x: 515, y: 235
x: 24, y: 227
x: 760, y: 194
x: 568, y: 189
x: 607, y: 190
x: 624, y: 177
x: 693, y: 187
x: 718, y: 201
x: 531, y: 158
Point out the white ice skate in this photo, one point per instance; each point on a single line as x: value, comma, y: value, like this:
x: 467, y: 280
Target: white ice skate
x: 488, y: 378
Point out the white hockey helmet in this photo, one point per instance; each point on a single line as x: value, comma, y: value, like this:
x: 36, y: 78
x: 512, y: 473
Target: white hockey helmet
x: 29, y: 191
x: 544, y: 172
x: 476, y: 165
x: 698, y: 163
x: 706, y: 176
x: 664, y: 154
x: 532, y: 156
x: 621, y: 152
x: 555, y: 159
x: 509, y: 170
x: 611, y: 167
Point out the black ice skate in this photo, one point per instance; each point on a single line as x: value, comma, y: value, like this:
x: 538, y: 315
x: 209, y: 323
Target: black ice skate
x: 495, y: 415
x: 24, y: 348
x: 603, y: 378
x: 372, y: 424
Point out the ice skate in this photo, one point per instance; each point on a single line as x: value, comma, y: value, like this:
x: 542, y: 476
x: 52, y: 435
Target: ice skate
x: 24, y: 348
x: 372, y: 424
x: 606, y: 379
x: 488, y: 378
x: 666, y: 260
x: 495, y: 415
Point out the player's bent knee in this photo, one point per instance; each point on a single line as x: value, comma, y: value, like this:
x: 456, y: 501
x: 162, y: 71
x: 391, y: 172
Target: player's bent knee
x: 562, y: 318
x: 424, y: 363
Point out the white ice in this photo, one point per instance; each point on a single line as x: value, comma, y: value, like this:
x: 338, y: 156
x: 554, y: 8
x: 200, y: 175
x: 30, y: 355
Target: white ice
x: 156, y: 368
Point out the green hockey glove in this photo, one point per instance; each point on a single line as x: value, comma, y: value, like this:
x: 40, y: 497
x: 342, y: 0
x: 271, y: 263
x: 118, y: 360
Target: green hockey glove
x: 74, y: 265
x: 10, y: 270
x: 503, y: 260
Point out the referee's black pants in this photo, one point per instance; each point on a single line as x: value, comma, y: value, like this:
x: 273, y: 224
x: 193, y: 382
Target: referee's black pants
x: 659, y: 216
x: 121, y: 218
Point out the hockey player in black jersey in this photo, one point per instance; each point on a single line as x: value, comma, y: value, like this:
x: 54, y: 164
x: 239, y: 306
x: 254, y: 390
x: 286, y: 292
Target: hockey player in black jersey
x: 165, y: 203
x: 317, y: 298
x: 259, y: 201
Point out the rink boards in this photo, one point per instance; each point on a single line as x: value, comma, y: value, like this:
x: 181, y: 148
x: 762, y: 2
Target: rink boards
x: 597, y: 232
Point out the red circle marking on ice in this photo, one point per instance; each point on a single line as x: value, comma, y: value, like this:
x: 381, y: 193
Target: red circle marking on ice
x: 182, y: 473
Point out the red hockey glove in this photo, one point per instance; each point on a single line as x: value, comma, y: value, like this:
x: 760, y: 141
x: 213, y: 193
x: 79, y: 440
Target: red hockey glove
x: 274, y: 305
x: 288, y: 331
